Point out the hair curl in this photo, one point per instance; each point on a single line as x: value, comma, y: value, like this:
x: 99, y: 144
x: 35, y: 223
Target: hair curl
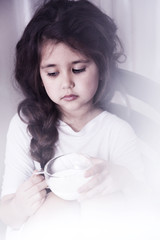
x: 80, y: 25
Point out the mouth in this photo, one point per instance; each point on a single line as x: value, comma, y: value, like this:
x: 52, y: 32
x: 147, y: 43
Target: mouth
x: 70, y: 97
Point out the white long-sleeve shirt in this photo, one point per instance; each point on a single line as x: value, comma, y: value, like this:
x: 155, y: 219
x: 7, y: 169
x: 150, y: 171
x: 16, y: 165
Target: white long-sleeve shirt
x: 106, y: 137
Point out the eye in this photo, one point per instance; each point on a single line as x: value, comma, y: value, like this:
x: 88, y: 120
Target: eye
x: 53, y: 74
x: 79, y: 70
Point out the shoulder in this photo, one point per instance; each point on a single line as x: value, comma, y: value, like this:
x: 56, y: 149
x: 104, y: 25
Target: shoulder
x: 16, y: 123
x: 117, y: 130
x: 112, y: 121
x: 17, y: 127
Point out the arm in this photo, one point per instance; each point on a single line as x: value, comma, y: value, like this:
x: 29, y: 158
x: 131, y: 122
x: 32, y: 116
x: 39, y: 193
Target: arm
x: 16, y: 208
x: 56, y: 217
x: 121, y: 172
x: 19, y: 187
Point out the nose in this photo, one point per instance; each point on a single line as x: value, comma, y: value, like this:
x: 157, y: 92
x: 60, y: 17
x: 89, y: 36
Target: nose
x: 67, y: 81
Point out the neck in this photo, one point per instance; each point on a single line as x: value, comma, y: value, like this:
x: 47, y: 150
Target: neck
x: 77, y: 120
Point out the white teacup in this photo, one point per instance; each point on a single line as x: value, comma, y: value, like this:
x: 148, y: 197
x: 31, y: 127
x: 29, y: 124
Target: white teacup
x: 65, y: 175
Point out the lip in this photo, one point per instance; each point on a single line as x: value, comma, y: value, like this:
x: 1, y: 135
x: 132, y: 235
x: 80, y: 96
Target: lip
x: 70, y: 97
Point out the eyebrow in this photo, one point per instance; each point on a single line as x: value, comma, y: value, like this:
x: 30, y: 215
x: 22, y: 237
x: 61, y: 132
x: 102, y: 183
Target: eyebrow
x: 74, y: 62
x: 81, y: 61
x: 48, y: 66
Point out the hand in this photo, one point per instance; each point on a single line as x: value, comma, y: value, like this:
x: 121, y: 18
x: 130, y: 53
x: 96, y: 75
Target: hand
x: 30, y: 196
x: 100, y: 182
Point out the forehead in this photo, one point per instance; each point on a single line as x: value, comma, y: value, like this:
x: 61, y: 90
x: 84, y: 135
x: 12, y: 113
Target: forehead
x: 59, y: 51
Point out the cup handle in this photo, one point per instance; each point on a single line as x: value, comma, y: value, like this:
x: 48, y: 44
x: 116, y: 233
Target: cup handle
x: 41, y: 172
x: 38, y: 173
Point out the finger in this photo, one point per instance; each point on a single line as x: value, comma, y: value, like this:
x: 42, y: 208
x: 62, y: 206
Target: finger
x: 92, y: 193
x: 105, y: 188
x: 34, y: 179
x: 98, y: 165
x: 36, y: 199
x: 29, y: 204
x: 93, y: 182
x: 96, y: 169
x: 95, y: 160
x: 38, y: 196
x: 36, y: 188
x: 35, y: 204
x: 27, y: 194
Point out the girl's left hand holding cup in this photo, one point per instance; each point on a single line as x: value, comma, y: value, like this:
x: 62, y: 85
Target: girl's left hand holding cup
x: 100, y: 181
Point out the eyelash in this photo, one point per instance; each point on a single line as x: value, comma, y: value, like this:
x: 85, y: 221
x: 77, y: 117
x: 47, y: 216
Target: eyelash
x: 76, y: 71
x: 53, y: 74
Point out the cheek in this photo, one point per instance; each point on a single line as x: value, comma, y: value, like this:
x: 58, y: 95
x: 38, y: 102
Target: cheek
x: 50, y: 89
x: 92, y: 83
x: 93, y: 87
x: 52, y: 95
x: 47, y: 83
x: 89, y: 88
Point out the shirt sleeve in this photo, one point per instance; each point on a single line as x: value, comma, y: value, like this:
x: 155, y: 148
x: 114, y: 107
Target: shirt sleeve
x: 19, y: 165
x: 125, y: 150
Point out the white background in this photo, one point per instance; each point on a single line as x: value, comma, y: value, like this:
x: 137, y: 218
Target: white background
x: 138, y: 27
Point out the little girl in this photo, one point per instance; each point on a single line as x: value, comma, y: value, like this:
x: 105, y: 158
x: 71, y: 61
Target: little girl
x: 65, y: 63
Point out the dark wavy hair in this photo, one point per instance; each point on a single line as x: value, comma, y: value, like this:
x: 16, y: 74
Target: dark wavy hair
x: 80, y: 25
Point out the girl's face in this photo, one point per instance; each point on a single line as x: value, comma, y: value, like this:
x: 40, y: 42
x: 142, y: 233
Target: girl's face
x: 69, y: 78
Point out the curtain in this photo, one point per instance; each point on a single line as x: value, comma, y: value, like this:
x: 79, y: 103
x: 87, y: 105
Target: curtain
x: 138, y: 24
